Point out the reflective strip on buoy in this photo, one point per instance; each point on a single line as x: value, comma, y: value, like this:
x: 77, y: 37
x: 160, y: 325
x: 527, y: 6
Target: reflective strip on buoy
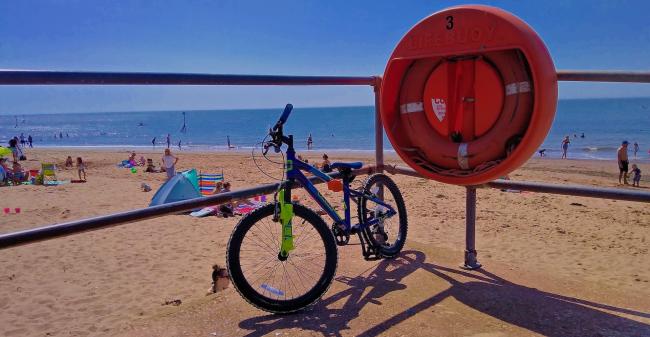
x: 411, y: 107
x: 515, y: 88
x: 462, y: 156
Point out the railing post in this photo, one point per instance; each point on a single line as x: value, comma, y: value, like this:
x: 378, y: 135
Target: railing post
x: 379, y: 135
x: 379, y: 129
x: 470, y: 229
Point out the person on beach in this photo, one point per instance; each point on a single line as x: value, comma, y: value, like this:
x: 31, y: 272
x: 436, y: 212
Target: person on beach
x: 141, y: 161
x: 22, y: 139
x: 30, y: 140
x: 81, y: 168
x: 622, y: 162
x: 13, y: 146
x: 3, y: 172
x: 310, y: 142
x: 150, y: 167
x: 169, y: 140
x: 542, y: 153
x: 7, y: 172
x: 68, y: 162
x: 565, y: 146
x: 153, y: 142
x: 179, y: 145
x: 326, y: 165
x: 18, y: 174
x: 636, y: 148
x: 169, y: 163
x: 230, y: 146
x: 226, y: 209
x: 636, y: 178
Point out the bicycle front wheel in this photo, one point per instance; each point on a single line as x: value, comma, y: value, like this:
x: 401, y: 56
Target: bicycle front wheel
x: 388, y: 232
x: 276, y: 284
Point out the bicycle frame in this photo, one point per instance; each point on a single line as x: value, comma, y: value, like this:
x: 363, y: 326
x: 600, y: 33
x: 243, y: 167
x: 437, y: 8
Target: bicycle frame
x: 294, y: 168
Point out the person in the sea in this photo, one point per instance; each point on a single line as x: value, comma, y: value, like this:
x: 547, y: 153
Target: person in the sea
x: 326, y: 165
x: 169, y: 140
x: 582, y: 135
x: 179, y: 144
x: 30, y: 140
x: 310, y: 142
x: 565, y: 146
x: 636, y: 175
x: 169, y: 163
x: 81, y: 168
x: 68, y: 162
x: 622, y: 162
x: 153, y: 142
x: 636, y: 148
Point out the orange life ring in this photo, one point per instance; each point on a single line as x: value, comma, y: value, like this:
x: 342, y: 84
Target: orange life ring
x: 470, y: 105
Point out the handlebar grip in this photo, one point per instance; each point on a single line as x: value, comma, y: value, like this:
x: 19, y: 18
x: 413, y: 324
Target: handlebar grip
x: 285, y: 113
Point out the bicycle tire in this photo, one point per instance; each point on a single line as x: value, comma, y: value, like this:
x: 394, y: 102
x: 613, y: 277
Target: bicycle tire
x: 276, y: 305
x: 384, y: 250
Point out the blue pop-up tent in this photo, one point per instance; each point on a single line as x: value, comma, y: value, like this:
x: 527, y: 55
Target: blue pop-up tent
x: 175, y: 189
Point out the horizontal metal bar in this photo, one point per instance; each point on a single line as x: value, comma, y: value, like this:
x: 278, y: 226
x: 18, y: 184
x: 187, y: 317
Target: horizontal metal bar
x: 575, y: 190
x: 74, y: 227
x: 603, y: 76
x: 43, y: 77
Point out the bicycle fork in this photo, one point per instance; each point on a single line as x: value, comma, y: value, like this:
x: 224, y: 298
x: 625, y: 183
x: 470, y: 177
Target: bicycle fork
x: 285, y: 216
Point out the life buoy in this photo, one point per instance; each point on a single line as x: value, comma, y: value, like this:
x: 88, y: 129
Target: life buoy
x: 475, y: 105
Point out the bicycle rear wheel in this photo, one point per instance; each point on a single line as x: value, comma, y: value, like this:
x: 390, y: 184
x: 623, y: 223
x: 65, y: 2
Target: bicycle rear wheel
x: 388, y: 235
x: 281, y: 285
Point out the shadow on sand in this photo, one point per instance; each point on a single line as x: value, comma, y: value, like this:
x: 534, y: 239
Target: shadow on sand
x: 541, y: 312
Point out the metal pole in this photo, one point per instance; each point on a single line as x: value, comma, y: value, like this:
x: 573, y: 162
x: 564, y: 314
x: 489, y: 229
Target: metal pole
x: 379, y: 129
x: 40, y: 77
x: 74, y: 227
x: 603, y: 76
x: 470, y: 229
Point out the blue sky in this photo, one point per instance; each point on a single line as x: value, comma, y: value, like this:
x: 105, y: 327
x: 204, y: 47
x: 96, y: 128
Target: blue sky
x: 276, y: 37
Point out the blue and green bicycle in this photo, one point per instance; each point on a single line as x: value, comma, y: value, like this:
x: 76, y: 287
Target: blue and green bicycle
x: 282, y: 257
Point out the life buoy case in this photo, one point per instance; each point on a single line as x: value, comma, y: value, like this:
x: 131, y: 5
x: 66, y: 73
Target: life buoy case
x: 468, y: 95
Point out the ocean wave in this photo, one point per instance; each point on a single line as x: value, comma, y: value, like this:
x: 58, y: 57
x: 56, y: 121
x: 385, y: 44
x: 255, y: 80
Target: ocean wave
x: 599, y: 148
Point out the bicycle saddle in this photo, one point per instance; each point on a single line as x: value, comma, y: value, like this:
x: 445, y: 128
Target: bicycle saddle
x: 354, y: 165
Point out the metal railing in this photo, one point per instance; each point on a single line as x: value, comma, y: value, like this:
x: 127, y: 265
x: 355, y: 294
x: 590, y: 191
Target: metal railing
x: 33, y: 77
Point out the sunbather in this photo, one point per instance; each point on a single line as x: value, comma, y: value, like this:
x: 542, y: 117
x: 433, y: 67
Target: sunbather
x: 68, y: 162
x: 18, y: 174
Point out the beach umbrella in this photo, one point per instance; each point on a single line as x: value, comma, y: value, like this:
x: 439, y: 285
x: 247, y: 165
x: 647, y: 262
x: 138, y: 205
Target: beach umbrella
x: 4, y: 151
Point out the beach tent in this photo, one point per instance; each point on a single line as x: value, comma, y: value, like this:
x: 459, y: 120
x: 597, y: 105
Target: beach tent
x: 175, y: 189
x: 193, y: 177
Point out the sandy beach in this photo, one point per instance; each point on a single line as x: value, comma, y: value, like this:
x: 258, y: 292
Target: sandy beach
x: 553, y: 265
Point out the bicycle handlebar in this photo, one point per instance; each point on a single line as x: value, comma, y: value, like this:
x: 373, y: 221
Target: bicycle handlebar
x: 276, y: 131
x: 285, y: 115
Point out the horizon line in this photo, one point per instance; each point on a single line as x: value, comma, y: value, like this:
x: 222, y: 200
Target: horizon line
x: 270, y: 108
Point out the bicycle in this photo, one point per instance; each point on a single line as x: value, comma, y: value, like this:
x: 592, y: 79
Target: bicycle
x: 286, y: 267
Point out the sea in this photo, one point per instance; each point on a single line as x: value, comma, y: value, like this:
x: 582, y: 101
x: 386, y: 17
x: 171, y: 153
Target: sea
x: 603, y: 122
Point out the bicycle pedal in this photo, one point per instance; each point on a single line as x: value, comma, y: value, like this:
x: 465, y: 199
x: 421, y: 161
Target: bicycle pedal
x: 340, y: 236
x: 372, y: 257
